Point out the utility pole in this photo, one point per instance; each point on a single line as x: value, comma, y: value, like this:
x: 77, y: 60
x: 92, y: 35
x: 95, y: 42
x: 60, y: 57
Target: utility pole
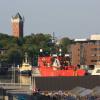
x: 13, y: 74
x: 20, y: 79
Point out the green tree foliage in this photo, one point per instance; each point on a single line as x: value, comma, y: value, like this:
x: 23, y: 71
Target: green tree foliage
x: 14, y: 56
x: 65, y: 43
x: 15, y: 48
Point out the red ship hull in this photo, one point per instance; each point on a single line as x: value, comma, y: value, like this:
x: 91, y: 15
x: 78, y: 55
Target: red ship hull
x: 47, y: 70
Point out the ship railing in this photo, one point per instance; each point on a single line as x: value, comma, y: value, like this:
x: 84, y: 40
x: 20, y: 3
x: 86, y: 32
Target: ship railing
x: 12, y: 84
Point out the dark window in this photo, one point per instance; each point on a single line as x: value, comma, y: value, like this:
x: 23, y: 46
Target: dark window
x: 95, y: 60
x: 95, y: 49
x: 98, y: 71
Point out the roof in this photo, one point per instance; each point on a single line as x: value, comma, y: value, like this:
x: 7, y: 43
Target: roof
x: 18, y: 16
x: 86, y: 92
x: 96, y: 90
x: 95, y: 37
x: 80, y: 40
x: 77, y: 90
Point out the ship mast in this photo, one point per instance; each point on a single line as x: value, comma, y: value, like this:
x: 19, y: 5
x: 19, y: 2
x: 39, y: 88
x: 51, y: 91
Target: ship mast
x: 26, y: 58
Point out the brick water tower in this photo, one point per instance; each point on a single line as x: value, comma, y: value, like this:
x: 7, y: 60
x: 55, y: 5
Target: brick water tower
x: 17, y: 25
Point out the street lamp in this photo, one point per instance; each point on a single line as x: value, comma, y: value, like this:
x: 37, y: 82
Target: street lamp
x: 60, y: 50
x: 41, y: 50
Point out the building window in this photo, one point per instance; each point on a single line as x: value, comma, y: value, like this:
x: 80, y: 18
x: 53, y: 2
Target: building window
x: 78, y: 49
x: 93, y: 55
x: 95, y: 60
x: 95, y: 49
x: 98, y: 71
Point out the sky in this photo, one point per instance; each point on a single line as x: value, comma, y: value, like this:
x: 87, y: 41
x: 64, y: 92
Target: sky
x: 66, y: 18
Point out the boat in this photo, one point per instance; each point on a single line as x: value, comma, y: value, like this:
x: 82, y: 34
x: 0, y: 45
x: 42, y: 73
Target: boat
x: 53, y: 65
x: 26, y: 68
x: 96, y: 70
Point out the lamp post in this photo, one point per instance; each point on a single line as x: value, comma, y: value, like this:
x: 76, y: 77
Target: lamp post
x: 60, y: 50
x: 13, y: 74
x: 41, y: 51
x: 20, y: 79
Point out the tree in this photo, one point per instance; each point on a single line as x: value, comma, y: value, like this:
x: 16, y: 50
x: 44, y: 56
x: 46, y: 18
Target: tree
x: 64, y: 44
x: 16, y: 48
x: 15, y: 56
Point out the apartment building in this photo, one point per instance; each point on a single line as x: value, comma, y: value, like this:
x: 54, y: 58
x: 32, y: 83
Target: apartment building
x: 85, y: 51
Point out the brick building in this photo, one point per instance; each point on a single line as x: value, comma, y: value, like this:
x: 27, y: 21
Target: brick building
x: 17, y: 25
x: 85, y: 52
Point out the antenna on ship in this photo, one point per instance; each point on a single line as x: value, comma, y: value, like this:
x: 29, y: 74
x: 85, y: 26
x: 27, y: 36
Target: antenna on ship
x: 53, y: 38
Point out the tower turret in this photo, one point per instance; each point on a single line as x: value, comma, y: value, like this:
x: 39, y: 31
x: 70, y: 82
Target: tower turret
x: 17, y: 25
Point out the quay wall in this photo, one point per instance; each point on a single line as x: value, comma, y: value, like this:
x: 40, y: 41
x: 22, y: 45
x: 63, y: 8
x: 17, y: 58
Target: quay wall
x: 66, y: 83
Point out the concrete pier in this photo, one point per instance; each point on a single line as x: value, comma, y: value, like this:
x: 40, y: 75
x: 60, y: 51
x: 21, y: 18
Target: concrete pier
x: 13, y: 91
